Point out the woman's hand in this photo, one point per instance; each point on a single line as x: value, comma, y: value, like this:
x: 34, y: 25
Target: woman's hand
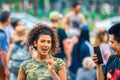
x: 50, y: 63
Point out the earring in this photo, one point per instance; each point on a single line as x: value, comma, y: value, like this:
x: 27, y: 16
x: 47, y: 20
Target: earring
x: 35, y: 45
x: 31, y: 47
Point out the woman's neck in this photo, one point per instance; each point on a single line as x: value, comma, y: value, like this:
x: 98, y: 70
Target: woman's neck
x: 42, y: 58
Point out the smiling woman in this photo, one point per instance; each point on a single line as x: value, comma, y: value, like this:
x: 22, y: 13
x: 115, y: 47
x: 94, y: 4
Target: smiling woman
x: 44, y: 66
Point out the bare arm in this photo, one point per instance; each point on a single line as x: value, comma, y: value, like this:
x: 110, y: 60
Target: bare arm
x: 67, y: 52
x: 54, y: 75
x: 83, y: 20
x: 3, y: 58
x: 98, y: 68
x: 62, y: 73
x: 72, y: 42
x: 66, y: 22
x: 9, y: 52
x: 99, y: 73
x: 21, y: 74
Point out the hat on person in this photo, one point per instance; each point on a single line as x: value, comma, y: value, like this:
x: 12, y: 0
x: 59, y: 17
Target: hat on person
x: 55, y: 15
x: 20, y: 33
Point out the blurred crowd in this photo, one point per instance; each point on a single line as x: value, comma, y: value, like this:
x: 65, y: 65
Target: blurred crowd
x: 93, y: 12
x: 74, y: 39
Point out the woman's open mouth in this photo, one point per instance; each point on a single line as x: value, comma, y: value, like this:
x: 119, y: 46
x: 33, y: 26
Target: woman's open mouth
x: 44, y: 50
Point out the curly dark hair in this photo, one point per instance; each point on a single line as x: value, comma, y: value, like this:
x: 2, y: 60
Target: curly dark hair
x: 40, y: 29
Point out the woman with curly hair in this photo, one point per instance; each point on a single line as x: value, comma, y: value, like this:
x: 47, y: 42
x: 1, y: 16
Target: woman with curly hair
x: 44, y: 66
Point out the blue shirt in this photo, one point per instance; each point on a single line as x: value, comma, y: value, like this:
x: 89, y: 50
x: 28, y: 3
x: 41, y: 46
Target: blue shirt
x: 3, y: 41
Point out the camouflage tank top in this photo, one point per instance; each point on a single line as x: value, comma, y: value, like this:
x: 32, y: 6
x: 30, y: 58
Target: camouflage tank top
x: 35, y: 70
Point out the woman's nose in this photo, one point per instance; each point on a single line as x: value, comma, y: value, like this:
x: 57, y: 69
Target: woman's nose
x: 46, y: 44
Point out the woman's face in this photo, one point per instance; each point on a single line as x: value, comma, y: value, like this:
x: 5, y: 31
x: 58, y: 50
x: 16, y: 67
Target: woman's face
x: 43, y: 44
x: 105, y: 37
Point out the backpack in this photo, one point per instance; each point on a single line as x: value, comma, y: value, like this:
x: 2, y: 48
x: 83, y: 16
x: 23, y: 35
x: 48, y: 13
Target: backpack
x: 18, y: 55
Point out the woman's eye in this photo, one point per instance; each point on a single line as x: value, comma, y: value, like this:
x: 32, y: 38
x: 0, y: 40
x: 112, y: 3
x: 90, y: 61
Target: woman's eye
x: 49, y: 41
x: 42, y: 41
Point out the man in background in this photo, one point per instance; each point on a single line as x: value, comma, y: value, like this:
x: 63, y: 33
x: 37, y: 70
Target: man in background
x: 74, y: 18
x: 55, y: 18
x: 4, y: 22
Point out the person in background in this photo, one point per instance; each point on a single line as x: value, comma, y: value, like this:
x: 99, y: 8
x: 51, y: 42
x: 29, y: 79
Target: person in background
x: 87, y: 72
x: 64, y: 53
x: 17, y: 52
x: 15, y: 23
x: 112, y: 11
x: 10, y: 30
x: 93, y: 12
x: 44, y: 66
x: 79, y: 52
x: 112, y: 68
x: 72, y: 22
x: 4, y: 22
x: 74, y: 18
x: 101, y: 40
x: 102, y: 13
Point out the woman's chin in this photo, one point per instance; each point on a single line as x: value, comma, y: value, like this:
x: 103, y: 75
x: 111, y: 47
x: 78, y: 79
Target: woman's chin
x: 44, y: 53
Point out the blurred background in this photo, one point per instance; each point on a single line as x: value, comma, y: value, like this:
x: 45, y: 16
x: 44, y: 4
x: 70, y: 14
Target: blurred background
x: 93, y: 10
x: 100, y: 15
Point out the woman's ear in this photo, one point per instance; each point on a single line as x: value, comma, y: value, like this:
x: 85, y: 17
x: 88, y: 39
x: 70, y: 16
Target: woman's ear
x: 35, y: 44
x: 119, y: 45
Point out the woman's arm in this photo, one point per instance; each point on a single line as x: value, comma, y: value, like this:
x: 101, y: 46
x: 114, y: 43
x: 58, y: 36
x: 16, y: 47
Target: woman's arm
x: 54, y: 75
x: 62, y: 73
x: 21, y: 74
